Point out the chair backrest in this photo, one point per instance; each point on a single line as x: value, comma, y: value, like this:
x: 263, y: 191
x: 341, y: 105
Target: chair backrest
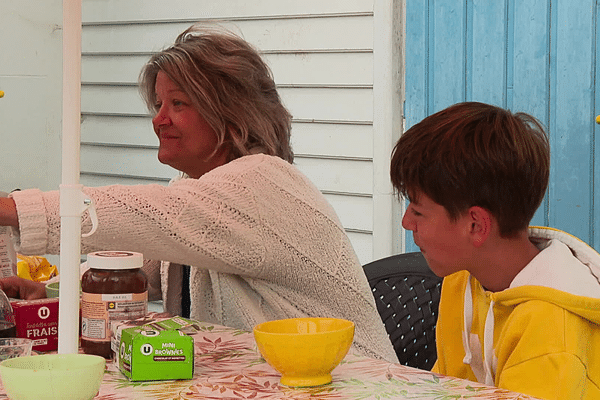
x: 407, y: 295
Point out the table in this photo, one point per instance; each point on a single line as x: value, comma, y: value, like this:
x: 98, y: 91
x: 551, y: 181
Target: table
x: 229, y: 366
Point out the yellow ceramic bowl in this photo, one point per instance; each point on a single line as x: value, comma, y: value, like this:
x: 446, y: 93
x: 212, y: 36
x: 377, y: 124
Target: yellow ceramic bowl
x: 53, y: 376
x: 304, y: 350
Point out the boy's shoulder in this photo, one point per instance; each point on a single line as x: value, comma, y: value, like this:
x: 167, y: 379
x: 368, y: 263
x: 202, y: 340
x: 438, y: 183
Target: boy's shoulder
x: 455, y: 284
x: 538, y: 328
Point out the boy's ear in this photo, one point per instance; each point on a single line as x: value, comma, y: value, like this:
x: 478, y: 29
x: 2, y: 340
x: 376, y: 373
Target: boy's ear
x: 481, y: 227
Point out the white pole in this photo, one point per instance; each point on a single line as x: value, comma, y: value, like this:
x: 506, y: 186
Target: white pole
x: 71, y: 207
x: 387, y: 120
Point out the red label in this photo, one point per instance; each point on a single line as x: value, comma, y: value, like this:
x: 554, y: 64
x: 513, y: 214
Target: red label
x: 38, y: 320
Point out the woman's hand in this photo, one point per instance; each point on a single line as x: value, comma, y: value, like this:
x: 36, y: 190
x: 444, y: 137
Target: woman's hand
x: 8, y: 212
x: 21, y: 288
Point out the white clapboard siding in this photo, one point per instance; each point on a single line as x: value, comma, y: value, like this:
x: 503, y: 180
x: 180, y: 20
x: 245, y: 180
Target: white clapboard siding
x: 118, y: 130
x: 321, y: 55
x: 363, y: 245
x: 92, y: 180
x: 316, y: 139
x: 352, y: 212
x: 348, y: 177
x: 137, y: 165
x: 281, y: 35
x: 112, y: 68
x: 329, y: 104
x: 322, y: 104
x: 126, y: 161
x: 151, y: 10
x: 329, y: 139
x: 325, y: 69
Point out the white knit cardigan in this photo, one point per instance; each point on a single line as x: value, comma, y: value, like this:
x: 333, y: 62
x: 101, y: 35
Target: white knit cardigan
x: 263, y: 242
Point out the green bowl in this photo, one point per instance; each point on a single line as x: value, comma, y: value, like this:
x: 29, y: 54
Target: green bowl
x: 53, y: 376
x: 52, y: 289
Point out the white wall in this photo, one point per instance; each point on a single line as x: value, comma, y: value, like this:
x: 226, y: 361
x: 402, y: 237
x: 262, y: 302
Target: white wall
x: 31, y: 77
x: 336, y: 64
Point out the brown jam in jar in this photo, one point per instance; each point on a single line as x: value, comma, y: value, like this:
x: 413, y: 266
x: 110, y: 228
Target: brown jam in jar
x: 114, y: 288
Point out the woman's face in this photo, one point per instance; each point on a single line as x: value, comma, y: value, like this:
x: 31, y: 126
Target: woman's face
x: 186, y: 140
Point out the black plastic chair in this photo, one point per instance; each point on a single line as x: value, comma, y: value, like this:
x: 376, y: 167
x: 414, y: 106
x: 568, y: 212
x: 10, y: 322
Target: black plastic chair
x: 407, y: 295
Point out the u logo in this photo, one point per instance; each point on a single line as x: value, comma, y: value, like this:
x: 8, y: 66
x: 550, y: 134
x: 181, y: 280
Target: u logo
x: 43, y: 312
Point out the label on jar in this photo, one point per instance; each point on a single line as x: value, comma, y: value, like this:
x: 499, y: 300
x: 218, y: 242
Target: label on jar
x: 99, y: 310
x: 8, y: 256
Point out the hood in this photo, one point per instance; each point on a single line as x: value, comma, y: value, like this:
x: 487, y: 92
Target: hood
x: 566, y: 272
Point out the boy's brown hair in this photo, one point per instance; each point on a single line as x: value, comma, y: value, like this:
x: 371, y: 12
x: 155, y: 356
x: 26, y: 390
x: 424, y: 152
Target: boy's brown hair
x: 475, y: 154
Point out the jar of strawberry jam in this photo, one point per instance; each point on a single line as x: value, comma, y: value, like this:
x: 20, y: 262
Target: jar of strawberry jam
x: 114, y: 288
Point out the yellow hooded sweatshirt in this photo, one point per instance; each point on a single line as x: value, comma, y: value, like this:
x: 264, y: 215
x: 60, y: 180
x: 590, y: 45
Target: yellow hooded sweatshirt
x: 541, y: 336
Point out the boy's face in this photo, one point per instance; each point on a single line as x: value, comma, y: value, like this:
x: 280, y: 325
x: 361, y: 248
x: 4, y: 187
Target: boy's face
x: 444, y: 243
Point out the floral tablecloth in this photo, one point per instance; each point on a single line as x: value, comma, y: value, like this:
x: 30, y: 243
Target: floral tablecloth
x: 229, y: 366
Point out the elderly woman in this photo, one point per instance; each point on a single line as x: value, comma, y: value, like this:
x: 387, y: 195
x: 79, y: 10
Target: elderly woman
x: 242, y: 235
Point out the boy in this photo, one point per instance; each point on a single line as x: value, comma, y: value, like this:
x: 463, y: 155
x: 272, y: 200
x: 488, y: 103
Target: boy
x: 520, y: 306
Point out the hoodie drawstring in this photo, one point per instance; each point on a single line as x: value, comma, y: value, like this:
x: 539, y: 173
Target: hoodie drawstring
x: 483, y: 364
x: 467, y: 322
x: 490, y: 360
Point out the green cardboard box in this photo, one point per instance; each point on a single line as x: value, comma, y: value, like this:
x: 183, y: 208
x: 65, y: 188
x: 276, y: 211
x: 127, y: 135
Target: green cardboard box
x: 156, y: 352
x: 185, y: 325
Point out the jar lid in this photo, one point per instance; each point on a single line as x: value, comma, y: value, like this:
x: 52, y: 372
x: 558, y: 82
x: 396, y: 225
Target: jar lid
x: 115, y: 260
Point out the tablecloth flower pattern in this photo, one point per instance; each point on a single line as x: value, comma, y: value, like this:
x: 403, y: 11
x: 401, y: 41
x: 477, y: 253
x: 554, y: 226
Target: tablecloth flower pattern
x: 228, y: 365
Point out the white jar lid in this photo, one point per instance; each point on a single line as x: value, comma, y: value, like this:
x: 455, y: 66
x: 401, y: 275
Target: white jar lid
x: 115, y: 260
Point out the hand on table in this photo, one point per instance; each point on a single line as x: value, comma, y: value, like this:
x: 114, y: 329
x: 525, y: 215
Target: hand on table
x: 20, y: 288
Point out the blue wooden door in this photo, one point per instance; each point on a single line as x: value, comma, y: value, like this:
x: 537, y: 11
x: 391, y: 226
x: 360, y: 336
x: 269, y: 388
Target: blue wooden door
x: 536, y: 56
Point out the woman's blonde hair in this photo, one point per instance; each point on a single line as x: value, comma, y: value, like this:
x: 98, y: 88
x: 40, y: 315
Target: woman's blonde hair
x: 231, y: 87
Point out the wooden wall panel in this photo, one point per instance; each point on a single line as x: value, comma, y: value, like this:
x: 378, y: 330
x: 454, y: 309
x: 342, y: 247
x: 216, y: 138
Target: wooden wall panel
x: 485, y: 73
x: 448, y: 19
x: 572, y: 121
x: 533, y: 56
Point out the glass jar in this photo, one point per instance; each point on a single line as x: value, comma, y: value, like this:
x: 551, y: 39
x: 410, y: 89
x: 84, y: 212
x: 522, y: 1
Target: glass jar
x: 8, y: 255
x: 114, y: 288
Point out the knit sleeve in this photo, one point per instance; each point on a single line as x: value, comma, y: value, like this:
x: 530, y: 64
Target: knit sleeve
x: 209, y: 222
x: 33, y: 213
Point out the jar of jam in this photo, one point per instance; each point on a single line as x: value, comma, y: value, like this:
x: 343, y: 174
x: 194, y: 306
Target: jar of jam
x: 114, y: 288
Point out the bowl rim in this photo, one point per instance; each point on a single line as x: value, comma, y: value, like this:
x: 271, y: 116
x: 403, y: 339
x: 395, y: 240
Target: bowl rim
x: 259, y: 327
x: 15, y: 363
x: 18, y: 339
